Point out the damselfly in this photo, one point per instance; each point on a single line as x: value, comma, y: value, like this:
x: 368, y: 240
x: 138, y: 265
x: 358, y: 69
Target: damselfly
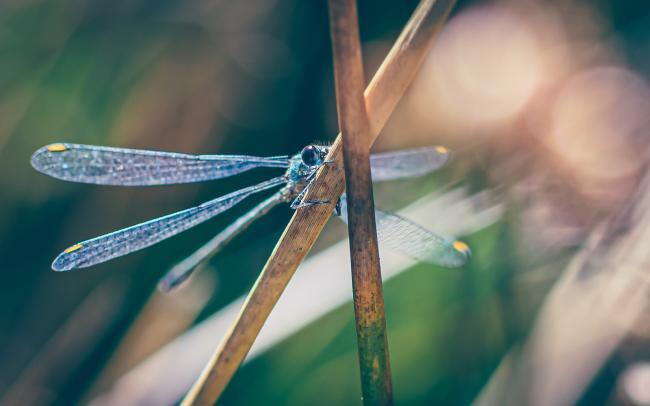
x: 132, y: 167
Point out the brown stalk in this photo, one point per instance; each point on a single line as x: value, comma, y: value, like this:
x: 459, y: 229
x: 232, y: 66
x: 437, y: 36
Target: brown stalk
x: 372, y: 341
x: 381, y: 96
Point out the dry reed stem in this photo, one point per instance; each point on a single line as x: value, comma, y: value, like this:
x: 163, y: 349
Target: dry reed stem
x: 382, y: 94
x: 372, y: 341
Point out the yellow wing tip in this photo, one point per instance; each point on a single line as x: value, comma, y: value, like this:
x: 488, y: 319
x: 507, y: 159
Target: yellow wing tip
x: 56, y: 147
x: 73, y: 248
x: 442, y: 150
x: 461, y: 246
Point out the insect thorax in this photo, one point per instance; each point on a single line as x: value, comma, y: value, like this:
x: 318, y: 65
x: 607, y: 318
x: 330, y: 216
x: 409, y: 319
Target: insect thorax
x: 298, y: 173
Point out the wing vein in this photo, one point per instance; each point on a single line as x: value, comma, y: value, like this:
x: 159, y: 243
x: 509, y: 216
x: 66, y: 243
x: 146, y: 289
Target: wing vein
x: 133, y: 167
x: 137, y: 237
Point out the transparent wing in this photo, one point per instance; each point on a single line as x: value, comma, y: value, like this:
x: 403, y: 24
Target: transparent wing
x: 134, y: 238
x: 407, y: 163
x: 184, y: 269
x: 134, y: 167
x: 400, y: 234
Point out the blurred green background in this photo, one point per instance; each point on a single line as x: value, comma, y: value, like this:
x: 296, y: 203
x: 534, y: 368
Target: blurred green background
x: 255, y: 77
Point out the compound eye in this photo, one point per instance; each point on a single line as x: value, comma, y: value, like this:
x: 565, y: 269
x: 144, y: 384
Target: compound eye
x: 310, y: 155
